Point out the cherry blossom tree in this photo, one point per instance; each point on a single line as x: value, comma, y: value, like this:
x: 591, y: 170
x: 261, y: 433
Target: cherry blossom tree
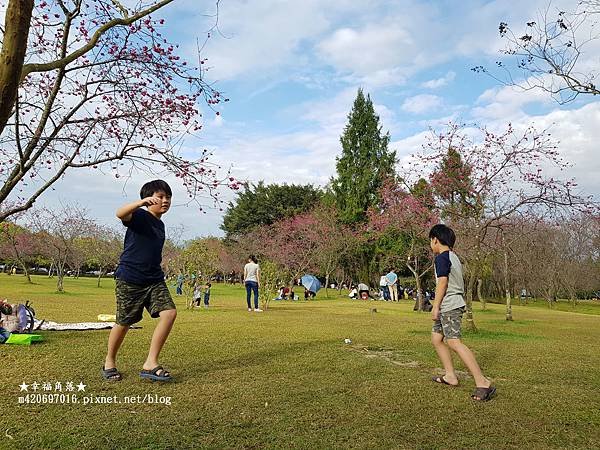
x: 95, y: 84
x: 18, y: 244
x: 60, y: 229
x: 548, y: 52
x: 481, y: 178
x: 411, y: 214
x: 290, y: 243
x: 102, y: 249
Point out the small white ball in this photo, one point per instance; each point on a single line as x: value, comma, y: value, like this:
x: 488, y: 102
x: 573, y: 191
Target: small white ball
x: 347, y: 341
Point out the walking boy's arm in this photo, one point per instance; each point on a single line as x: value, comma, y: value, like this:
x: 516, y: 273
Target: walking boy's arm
x: 441, y: 285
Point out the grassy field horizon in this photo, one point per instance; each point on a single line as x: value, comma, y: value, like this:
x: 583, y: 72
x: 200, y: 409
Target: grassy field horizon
x: 286, y: 379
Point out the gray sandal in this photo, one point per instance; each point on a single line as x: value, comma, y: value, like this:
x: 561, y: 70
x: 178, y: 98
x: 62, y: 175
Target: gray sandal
x: 111, y: 374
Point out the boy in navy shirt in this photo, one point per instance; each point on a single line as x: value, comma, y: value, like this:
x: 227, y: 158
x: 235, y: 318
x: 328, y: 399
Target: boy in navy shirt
x: 140, y: 281
x: 448, y: 308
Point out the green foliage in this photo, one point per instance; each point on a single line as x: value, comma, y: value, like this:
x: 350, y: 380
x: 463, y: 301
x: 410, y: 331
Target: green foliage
x: 364, y: 163
x: 260, y: 204
x: 272, y: 275
x: 201, y: 258
x: 453, y: 186
x: 391, y: 250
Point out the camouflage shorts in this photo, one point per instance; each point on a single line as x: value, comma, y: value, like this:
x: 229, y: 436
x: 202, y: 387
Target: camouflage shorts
x: 132, y: 299
x: 449, y: 323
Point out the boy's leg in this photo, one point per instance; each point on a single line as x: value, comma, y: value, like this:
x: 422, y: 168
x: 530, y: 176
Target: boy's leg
x: 469, y: 360
x: 160, y: 305
x: 115, y: 339
x: 451, y: 323
x: 159, y: 337
x: 129, y: 311
x: 443, y: 352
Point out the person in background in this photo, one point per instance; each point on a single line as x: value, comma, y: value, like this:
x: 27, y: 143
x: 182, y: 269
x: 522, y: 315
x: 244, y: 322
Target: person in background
x: 207, y: 287
x: 392, y: 283
x: 383, y: 284
x: 252, y: 282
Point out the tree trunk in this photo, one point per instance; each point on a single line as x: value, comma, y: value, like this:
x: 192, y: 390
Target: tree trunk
x: 100, y: 276
x: 14, y: 46
x: 469, y: 321
x: 59, y: 283
x: 326, y: 286
x: 507, y: 289
x: 419, y: 292
x: 50, y: 271
x: 26, y: 272
x: 479, y: 295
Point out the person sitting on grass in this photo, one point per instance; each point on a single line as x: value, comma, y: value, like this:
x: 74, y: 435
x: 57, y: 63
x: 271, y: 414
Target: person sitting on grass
x: 363, y: 291
x: 448, y: 308
x: 308, y: 294
x: 140, y: 281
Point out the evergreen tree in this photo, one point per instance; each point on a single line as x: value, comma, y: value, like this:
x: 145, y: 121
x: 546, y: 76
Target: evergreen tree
x: 263, y: 204
x: 364, y: 163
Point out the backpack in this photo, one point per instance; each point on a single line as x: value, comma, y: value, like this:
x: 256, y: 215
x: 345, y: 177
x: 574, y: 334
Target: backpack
x: 20, y: 320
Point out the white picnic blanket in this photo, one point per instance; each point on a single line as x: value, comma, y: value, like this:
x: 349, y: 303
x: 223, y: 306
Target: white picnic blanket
x: 54, y: 326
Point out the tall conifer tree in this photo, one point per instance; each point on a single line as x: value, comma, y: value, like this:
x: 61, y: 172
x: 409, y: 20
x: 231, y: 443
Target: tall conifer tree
x: 364, y: 163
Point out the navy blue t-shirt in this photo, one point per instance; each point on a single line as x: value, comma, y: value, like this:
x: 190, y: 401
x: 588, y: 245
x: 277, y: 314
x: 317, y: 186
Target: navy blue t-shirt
x: 142, y: 251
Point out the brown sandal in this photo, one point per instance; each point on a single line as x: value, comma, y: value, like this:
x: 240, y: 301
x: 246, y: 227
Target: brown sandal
x: 482, y: 394
x: 442, y: 380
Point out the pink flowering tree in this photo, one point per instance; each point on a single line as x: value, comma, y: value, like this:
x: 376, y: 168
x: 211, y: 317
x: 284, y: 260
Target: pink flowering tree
x: 331, y: 239
x: 410, y: 215
x: 17, y: 244
x: 480, y: 179
x: 60, y: 230
x: 290, y: 242
x: 95, y: 85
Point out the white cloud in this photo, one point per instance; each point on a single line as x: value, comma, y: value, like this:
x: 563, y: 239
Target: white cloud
x: 507, y: 103
x: 422, y: 103
x: 371, y: 49
x: 440, y: 82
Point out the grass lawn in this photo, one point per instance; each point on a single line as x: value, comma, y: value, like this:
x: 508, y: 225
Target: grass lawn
x: 285, y: 378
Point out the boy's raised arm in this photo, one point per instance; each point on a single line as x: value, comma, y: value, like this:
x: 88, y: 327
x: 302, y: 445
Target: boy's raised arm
x: 124, y: 212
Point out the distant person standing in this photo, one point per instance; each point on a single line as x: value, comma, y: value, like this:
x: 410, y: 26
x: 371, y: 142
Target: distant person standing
x: 180, y: 280
x: 392, y: 283
x: 383, y: 284
x: 252, y: 282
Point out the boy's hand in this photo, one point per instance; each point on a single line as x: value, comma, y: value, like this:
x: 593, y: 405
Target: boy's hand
x: 435, y: 314
x: 151, y: 201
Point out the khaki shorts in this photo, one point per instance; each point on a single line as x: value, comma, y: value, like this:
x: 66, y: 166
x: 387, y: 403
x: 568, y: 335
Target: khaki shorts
x: 449, y: 324
x: 132, y: 299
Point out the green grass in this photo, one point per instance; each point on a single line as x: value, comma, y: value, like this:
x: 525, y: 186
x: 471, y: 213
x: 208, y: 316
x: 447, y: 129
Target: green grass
x: 285, y: 378
x: 581, y: 307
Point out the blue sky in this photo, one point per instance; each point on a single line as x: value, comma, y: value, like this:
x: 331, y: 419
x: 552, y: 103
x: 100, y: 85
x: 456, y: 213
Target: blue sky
x: 292, y: 69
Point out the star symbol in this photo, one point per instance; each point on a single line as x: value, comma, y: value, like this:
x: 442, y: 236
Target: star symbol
x: 24, y: 387
x: 81, y: 386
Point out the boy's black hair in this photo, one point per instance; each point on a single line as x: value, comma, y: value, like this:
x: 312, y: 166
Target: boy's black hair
x: 444, y: 234
x: 155, y: 186
x: 208, y: 284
